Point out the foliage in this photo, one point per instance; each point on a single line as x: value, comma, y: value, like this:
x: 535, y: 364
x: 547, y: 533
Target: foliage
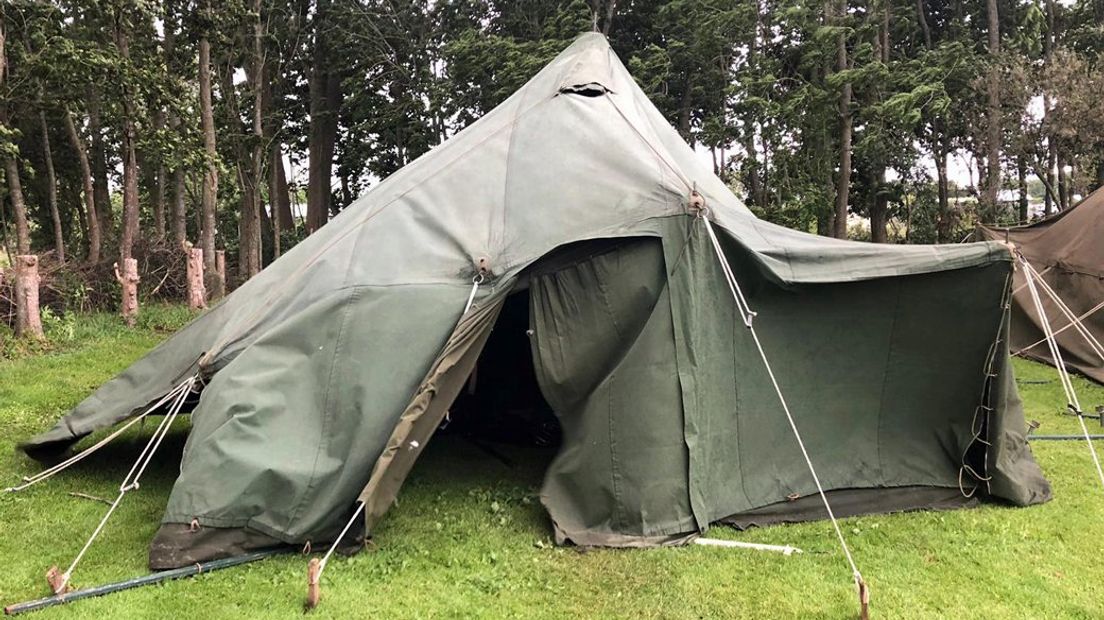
x: 754, y: 86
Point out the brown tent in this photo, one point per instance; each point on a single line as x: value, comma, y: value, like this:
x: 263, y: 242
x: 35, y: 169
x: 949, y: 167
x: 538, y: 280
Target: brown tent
x: 1067, y: 250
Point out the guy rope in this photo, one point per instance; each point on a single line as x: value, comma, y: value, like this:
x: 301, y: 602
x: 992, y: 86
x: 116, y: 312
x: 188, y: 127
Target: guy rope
x: 697, y: 203
x: 1072, y: 402
x: 59, y: 582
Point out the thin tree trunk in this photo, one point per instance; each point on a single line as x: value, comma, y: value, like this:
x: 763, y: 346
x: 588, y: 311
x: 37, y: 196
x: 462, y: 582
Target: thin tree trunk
x: 216, y: 286
x: 51, y: 187
x: 1021, y: 172
x: 178, y: 210
x: 100, y: 193
x: 611, y: 9
x: 130, y: 160
x: 922, y: 17
x: 879, y: 212
x: 160, y: 184
x: 1063, y: 184
x: 283, y: 201
x: 19, y: 206
x: 843, y: 181
x: 993, y: 114
x: 1052, y: 152
x: 90, y: 216
x: 943, y: 222
x: 249, y: 260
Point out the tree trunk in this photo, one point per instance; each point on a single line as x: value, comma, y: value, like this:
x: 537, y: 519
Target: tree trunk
x: 128, y: 281
x: 160, y: 184
x: 90, y: 217
x: 1052, y: 162
x: 878, y: 218
x: 922, y: 17
x: 197, y: 293
x: 1063, y: 184
x: 942, y: 227
x: 216, y: 285
x: 993, y: 114
x: 178, y: 210
x: 249, y: 257
x: 274, y: 199
x: 1052, y: 152
x: 51, y: 188
x: 843, y: 181
x: 1021, y: 172
x: 283, y: 192
x: 28, y: 321
x: 879, y: 212
x: 100, y: 193
x: 130, y: 166
x: 325, y: 100
x: 19, y: 206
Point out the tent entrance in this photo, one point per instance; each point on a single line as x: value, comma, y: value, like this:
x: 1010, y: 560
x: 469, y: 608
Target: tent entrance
x: 501, y: 402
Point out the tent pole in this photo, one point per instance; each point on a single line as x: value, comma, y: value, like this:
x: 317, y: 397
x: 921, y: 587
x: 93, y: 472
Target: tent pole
x: 716, y: 542
x: 137, y: 582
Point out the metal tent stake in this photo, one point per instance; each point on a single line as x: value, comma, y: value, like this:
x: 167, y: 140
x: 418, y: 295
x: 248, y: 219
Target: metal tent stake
x: 137, y: 582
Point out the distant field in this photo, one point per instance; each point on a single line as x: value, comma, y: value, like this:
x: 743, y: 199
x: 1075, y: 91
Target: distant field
x: 470, y: 539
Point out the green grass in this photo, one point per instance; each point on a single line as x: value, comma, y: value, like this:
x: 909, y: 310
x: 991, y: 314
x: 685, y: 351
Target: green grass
x: 470, y: 539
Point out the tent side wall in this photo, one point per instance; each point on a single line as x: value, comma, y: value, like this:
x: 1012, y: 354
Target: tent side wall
x: 671, y: 424
x: 886, y: 379
x: 1084, y: 295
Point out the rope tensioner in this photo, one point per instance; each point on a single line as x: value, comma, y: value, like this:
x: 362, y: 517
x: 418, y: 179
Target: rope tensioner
x: 697, y: 204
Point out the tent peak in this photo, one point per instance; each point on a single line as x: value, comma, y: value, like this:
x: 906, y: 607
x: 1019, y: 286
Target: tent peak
x: 589, y: 72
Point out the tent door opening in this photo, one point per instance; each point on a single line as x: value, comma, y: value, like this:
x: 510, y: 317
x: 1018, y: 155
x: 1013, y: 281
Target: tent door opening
x: 501, y: 402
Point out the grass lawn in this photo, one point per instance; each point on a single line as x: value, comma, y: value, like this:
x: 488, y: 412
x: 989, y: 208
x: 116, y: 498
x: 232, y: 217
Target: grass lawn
x: 470, y: 539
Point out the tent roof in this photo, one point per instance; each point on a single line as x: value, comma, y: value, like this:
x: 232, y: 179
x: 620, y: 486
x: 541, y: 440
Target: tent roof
x: 1070, y: 239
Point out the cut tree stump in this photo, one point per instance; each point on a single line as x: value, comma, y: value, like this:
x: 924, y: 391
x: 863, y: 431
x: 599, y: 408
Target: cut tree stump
x: 28, y: 320
x: 128, y: 280
x: 197, y: 292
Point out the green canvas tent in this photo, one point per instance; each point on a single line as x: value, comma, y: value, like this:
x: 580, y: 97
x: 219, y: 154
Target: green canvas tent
x: 324, y: 376
x: 1067, y: 250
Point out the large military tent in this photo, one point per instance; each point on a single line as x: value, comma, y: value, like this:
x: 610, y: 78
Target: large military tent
x: 324, y: 376
x: 1067, y: 250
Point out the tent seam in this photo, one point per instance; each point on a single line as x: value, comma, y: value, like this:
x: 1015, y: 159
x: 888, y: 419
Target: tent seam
x: 885, y: 378
x: 327, y: 412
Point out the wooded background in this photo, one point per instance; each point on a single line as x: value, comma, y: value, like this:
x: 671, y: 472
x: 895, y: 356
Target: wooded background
x: 131, y: 127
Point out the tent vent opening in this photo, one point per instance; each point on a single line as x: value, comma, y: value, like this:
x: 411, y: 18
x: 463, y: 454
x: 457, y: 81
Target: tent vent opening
x: 502, y: 402
x: 590, y: 89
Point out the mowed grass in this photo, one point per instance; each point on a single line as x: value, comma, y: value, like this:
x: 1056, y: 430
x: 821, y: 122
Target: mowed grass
x: 470, y: 539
